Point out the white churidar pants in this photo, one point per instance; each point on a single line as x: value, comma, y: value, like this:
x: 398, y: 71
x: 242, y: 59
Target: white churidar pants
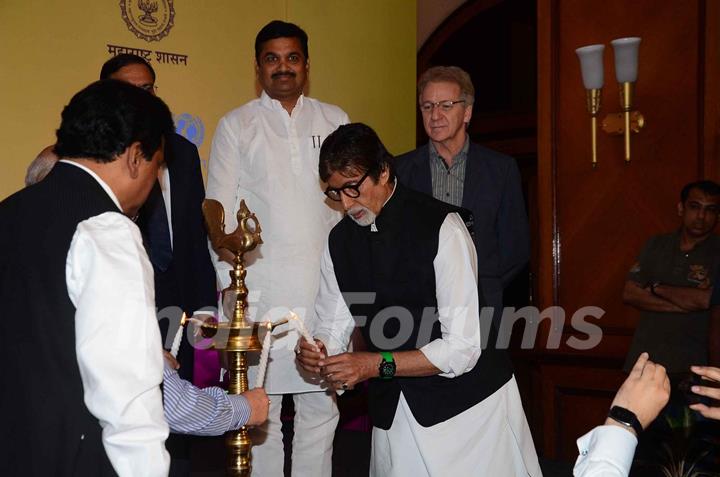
x: 316, y: 417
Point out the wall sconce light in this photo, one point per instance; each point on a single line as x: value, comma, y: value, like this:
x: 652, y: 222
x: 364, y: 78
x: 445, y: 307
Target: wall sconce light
x: 591, y: 64
x: 626, y: 64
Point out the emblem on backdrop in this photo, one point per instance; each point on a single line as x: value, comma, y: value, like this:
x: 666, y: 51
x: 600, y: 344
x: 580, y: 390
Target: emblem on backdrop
x: 190, y: 127
x: 150, y: 20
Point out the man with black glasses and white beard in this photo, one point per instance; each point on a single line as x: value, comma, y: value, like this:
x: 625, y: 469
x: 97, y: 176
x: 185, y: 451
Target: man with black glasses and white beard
x: 398, y: 258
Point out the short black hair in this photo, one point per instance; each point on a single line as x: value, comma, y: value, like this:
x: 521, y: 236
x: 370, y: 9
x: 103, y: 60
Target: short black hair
x: 706, y: 187
x: 280, y: 29
x: 354, y: 149
x: 106, y: 117
x: 122, y: 60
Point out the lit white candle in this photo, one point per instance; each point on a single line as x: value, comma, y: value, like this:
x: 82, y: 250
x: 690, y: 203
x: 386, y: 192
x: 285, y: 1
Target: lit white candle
x: 178, y: 337
x: 300, y: 327
x: 264, y: 356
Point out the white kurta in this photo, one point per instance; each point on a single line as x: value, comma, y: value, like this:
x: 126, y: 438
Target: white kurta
x: 490, y: 438
x: 110, y: 283
x: 606, y: 451
x: 269, y: 158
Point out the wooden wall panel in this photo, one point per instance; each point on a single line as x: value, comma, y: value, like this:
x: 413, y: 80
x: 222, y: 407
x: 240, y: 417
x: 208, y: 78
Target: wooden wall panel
x: 588, y: 225
x: 575, y: 401
x: 592, y: 223
x: 710, y: 102
x: 605, y: 215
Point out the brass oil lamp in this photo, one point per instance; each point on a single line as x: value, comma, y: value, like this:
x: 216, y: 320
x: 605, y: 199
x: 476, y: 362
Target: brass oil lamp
x: 238, y: 336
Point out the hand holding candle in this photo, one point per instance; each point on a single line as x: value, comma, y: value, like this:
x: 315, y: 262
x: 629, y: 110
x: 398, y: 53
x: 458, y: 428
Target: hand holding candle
x: 300, y: 327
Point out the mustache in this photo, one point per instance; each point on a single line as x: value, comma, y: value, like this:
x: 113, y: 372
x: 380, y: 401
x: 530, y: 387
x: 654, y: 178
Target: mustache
x: 291, y: 74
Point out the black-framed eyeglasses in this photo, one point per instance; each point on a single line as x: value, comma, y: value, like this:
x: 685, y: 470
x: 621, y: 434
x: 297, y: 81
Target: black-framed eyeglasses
x: 445, y: 106
x: 350, y: 190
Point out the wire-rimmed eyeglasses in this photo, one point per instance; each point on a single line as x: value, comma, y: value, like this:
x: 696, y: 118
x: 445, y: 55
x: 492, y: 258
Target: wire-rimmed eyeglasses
x: 445, y: 106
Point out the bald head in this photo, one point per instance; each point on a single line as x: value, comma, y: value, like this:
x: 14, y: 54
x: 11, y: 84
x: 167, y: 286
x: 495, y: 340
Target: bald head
x: 41, y: 166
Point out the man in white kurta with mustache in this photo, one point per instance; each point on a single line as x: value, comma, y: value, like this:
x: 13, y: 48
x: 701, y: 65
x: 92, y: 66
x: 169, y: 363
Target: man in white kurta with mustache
x: 266, y: 152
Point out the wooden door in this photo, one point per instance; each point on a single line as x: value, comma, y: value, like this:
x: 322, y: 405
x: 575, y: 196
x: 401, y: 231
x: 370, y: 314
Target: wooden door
x: 592, y: 223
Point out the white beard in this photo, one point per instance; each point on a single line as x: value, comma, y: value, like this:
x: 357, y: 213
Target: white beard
x: 367, y: 218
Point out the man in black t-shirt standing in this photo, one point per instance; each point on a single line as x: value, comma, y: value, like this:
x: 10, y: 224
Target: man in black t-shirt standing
x: 671, y: 284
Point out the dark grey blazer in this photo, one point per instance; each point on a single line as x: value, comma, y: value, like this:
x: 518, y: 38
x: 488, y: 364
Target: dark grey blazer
x: 493, y: 193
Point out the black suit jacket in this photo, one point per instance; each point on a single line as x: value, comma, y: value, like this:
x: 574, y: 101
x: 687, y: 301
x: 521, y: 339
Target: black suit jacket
x: 493, y: 193
x: 189, y: 282
x: 46, y: 428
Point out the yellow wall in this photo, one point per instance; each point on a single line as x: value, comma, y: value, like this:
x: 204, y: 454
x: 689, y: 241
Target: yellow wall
x: 362, y: 56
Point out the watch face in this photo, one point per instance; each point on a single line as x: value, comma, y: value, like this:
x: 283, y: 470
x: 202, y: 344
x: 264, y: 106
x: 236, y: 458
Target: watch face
x: 387, y: 369
x: 623, y: 415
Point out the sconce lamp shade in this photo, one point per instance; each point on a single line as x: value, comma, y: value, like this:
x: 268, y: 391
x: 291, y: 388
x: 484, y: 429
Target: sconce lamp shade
x: 591, y: 64
x: 626, y: 59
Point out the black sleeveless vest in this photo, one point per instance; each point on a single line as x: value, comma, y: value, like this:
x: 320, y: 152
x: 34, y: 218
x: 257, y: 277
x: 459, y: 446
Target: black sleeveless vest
x: 396, y: 264
x: 46, y: 428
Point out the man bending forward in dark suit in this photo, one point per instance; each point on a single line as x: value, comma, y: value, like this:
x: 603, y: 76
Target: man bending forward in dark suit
x: 171, y: 221
x: 465, y: 174
x: 172, y: 225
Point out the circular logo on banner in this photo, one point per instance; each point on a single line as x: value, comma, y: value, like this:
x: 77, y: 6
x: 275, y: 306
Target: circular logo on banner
x: 191, y: 127
x: 150, y: 20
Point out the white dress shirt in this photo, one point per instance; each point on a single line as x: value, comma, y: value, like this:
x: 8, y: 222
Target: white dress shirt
x: 490, y: 438
x: 164, y: 181
x: 269, y: 158
x: 606, y: 451
x: 110, y: 283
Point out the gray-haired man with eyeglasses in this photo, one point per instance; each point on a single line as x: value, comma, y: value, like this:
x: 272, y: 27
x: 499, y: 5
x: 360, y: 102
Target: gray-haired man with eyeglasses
x: 457, y: 171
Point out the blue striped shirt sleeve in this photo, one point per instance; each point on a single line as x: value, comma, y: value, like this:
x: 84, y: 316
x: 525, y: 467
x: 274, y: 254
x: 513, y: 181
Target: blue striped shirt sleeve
x: 202, y: 412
